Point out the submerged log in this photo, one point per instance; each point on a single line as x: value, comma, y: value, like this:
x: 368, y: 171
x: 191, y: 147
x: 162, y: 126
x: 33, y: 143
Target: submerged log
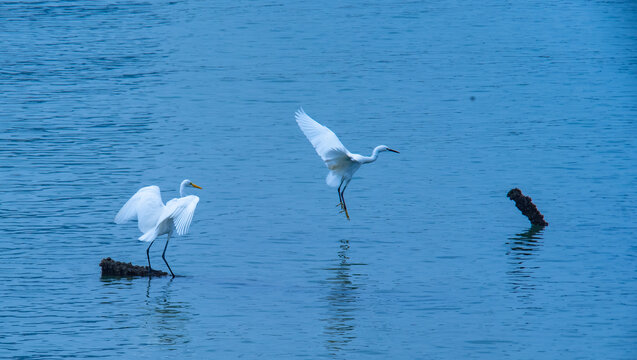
x: 111, y: 267
x: 527, y: 207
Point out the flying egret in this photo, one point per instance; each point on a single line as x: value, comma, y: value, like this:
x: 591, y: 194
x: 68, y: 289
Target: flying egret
x: 341, y: 163
x: 155, y: 219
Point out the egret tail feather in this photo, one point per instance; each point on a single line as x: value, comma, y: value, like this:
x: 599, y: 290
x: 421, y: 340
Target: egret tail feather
x: 333, y: 179
x: 150, y: 235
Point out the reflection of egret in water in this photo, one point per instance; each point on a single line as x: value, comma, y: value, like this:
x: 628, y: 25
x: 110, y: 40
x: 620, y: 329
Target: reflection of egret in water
x: 342, y: 298
x: 167, y: 318
x: 523, y: 250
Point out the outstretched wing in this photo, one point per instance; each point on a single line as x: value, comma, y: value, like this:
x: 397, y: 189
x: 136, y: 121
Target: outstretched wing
x: 146, y: 206
x: 180, y: 211
x: 325, y: 142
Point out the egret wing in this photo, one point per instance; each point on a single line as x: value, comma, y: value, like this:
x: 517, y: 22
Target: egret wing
x: 146, y: 206
x: 180, y: 211
x: 325, y: 142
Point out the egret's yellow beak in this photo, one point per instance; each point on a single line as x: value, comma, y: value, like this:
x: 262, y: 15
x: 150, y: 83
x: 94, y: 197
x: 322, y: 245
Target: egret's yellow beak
x: 195, y: 186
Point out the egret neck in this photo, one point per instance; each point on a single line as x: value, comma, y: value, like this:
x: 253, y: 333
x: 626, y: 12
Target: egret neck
x: 182, y: 187
x: 371, y: 159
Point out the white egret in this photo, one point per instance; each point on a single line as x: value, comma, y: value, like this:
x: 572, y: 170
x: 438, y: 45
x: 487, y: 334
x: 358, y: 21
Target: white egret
x: 155, y: 219
x: 341, y: 163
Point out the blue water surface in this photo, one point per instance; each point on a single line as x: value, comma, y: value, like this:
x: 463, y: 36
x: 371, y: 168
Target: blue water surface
x: 100, y: 98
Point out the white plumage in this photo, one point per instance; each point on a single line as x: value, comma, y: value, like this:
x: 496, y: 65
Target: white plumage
x: 327, y: 145
x: 341, y: 163
x: 145, y: 207
x: 154, y: 218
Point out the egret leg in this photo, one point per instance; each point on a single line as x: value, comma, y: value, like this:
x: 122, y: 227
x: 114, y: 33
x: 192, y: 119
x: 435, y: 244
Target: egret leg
x: 343, y: 198
x: 163, y: 256
x: 148, y: 257
x: 340, y: 198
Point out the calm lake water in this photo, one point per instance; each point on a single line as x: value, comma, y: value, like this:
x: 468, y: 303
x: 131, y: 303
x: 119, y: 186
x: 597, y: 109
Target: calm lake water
x: 99, y: 98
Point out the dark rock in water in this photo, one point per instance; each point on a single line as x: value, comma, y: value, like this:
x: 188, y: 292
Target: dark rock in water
x: 111, y: 267
x: 527, y: 207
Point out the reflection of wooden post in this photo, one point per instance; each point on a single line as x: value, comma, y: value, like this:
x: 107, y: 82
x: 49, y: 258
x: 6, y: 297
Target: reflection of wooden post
x: 527, y: 207
x: 111, y: 267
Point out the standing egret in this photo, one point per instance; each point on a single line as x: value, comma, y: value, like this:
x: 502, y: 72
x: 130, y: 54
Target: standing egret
x: 155, y: 219
x: 341, y: 163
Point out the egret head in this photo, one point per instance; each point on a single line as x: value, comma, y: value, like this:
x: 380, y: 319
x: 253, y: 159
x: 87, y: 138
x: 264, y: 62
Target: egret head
x: 386, y: 148
x: 189, y: 184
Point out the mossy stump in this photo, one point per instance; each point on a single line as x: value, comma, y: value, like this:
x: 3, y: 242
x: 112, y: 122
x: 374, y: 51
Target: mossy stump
x: 111, y: 267
x: 527, y: 207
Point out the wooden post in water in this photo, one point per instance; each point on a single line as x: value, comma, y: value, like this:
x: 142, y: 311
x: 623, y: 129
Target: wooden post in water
x: 111, y: 267
x: 527, y: 207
